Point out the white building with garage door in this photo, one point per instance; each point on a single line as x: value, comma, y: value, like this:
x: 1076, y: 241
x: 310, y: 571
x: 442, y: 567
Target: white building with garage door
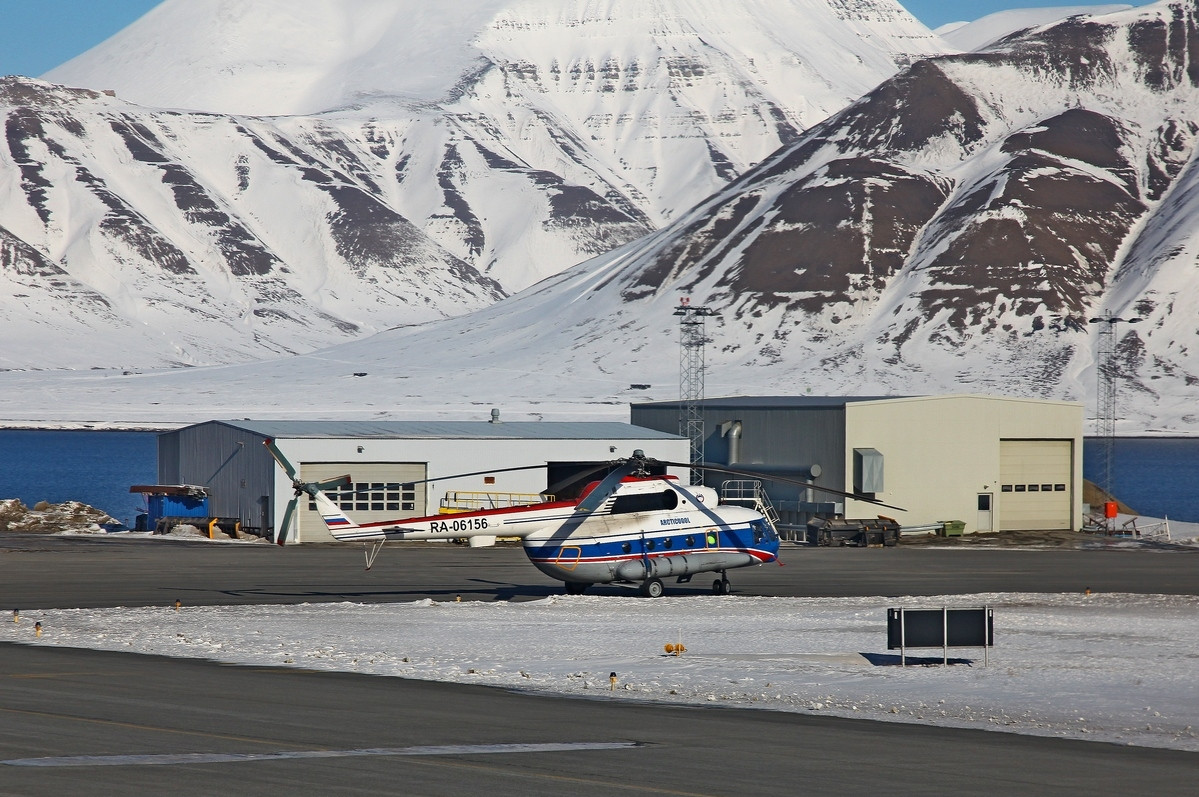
x: 994, y: 463
x: 398, y: 469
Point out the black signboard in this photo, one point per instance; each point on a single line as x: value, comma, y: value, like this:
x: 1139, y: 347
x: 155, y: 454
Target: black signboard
x: 940, y: 628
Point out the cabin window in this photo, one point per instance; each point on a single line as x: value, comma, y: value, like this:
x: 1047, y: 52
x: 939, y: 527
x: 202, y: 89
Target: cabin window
x: 645, y: 502
x: 690, y: 541
x: 668, y: 543
x: 626, y: 547
x: 649, y: 545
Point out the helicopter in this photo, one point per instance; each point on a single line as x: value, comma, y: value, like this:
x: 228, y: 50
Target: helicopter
x: 630, y: 528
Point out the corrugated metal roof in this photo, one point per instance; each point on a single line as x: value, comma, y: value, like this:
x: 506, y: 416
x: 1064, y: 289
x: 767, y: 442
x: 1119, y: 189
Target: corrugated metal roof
x: 515, y: 430
x: 753, y: 402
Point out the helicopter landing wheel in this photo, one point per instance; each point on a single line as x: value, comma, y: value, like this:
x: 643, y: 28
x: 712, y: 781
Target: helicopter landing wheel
x: 576, y: 587
x: 653, y: 588
x: 721, y: 586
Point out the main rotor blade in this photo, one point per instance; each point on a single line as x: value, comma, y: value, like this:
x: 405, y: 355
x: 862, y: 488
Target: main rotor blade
x: 477, y: 473
x: 595, y: 499
x: 346, y: 480
x: 700, y: 505
x: 772, y: 478
x: 574, y: 477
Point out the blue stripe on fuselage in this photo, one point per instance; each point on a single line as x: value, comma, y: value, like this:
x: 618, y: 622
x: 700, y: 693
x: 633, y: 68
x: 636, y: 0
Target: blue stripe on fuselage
x: 611, y: 548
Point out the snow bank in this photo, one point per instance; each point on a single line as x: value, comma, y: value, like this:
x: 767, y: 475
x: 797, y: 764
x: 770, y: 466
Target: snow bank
x: 1115, y: 668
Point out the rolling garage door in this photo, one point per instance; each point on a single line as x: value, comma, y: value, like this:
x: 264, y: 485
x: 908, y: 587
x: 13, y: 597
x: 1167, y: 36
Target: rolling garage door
x: 381, y: 491
x: 1036, y: 488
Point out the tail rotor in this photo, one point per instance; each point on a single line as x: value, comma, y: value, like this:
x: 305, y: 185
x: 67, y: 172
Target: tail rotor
x: 300, y: 487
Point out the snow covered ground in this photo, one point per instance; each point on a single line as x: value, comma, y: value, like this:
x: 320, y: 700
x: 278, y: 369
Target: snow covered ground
x: 1116, y: 668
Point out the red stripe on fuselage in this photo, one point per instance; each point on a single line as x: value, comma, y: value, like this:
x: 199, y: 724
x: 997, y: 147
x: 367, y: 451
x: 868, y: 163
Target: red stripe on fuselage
x: 508, y: 510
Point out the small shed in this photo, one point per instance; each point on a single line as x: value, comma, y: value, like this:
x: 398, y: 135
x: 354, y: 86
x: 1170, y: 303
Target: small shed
x: 170, y: 500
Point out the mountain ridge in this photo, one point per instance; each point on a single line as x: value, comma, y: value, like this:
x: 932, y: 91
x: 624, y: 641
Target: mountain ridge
x: 571, y: 128
x: 952, y: 231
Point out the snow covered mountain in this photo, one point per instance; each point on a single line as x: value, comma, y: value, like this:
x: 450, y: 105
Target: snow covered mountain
x: 975, y: 35
x: 952, y: 231
x: 331, y: 168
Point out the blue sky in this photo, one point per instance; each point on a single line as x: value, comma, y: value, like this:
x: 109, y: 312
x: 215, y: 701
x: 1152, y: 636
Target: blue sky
x: 38, y: 35
x: 935, y: 13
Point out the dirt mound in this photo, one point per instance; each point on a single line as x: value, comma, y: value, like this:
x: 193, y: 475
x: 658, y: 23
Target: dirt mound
x: 1008, y: 539
x: 47, y: 518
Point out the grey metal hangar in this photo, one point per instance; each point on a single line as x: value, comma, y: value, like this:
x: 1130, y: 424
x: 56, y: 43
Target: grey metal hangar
x: 396, y: 468
x: 993, y: 463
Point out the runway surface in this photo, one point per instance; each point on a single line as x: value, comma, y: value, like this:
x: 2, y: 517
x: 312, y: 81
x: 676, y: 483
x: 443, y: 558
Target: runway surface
x: 58, y: 703
x: 75, y: 721
x: 68, y: 572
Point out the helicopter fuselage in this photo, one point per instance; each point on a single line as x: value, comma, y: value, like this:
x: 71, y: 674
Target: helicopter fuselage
x: 646, y: 530
x: 644, y: 545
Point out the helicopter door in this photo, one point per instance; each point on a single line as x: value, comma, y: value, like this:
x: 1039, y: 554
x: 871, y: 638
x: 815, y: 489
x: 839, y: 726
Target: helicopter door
x: 568, y: 557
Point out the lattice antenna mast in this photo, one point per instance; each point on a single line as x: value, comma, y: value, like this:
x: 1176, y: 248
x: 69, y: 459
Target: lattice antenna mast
x: 1106, y: 409
x: 692, y: 342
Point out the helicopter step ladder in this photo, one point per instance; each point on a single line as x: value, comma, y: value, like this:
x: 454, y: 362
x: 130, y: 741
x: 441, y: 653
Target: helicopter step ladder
x: 749, y: 492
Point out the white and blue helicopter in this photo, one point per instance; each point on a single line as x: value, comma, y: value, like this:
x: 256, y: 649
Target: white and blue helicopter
x: 631, y: 528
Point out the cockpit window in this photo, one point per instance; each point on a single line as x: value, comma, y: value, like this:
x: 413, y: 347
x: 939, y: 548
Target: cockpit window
x: 763, y: 531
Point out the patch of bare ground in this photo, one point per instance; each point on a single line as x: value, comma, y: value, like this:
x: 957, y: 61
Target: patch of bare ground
x: 1045, y: 540
x: 1006, y: 539
x: 47, y: 518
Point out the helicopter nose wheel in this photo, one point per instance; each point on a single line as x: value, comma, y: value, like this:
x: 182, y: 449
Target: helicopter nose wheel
x: 721, y: 586
x: 653, y: 588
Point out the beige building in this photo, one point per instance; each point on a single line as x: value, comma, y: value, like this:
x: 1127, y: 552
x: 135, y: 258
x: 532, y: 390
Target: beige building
x: 994, y: 463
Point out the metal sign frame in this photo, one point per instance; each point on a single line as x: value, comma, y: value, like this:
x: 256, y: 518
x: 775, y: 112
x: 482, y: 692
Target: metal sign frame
x: 940, y: 628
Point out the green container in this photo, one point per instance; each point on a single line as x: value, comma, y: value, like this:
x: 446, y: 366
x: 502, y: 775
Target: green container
x: 952, y: 528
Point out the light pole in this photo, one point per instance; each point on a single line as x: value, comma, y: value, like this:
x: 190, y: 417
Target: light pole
x: 1107, y: 373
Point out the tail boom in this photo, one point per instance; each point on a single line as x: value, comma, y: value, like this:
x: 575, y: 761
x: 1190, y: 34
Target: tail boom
x: 519, y: 521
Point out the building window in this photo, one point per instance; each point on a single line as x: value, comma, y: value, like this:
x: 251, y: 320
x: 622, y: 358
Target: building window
x: 372, y: 497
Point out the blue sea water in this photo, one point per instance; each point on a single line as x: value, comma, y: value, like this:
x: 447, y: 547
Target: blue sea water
x: 97, y: 468
x: 1156, y: 477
